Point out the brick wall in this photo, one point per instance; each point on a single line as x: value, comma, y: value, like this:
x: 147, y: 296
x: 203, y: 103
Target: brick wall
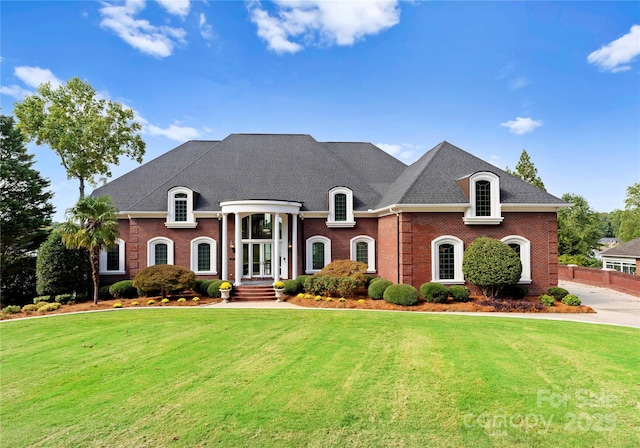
x: 618, y: 281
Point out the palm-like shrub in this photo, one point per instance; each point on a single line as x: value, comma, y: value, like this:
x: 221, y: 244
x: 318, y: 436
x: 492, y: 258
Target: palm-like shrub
x: 491, y: 265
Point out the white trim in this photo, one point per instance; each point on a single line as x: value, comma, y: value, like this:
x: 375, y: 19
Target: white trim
x: 252, y: 207
x: 458, y: 253
x: 622, y: 261
x: 151, y: 253
x: 121, y: 254
x: 525, y: 255
x: 371, y: 250
x: 495, y: 217
x: 331, y: 219
x: 171, y: 222
x: 327, y: 252
x: 213, y: 254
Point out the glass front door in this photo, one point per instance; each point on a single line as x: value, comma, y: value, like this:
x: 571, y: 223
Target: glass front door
x: 259, y: 257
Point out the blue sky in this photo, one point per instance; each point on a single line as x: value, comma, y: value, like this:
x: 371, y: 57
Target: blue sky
x: 559, y: 79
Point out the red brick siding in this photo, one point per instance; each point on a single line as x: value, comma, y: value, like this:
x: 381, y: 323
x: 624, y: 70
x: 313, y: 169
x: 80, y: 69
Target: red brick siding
x: 618, y: 281
x: 387, y: 247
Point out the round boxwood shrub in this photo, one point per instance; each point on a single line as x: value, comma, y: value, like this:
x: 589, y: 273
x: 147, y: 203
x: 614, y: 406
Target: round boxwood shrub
x: 491, y: 265
x: 198, y: 285
x: 376, y: 289
x: 292, y: 287
x: 459, y: 293
x: 405, y: 295
x: 557, y: 293
x: 123, y: 290
x: 302, y: 279
x: 202, y: 288
x: 434, y: 292
x: 571, y: 300
x: 104, y: 294
x: 214, y: 288
x: 547, y: 300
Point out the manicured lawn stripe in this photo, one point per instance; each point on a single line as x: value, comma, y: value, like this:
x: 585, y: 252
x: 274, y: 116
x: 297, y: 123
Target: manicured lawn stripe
x: 268, y: 378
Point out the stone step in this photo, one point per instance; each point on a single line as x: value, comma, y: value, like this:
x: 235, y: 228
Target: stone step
x: 253, y: 293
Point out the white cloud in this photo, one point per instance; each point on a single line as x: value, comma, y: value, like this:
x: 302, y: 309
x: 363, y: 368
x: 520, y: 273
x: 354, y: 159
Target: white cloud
x: 323, y: 22
x: 176, y: 7
x: 34, y: 76
x: 174, y: 132
x: 14, y: 91
x: 518, y: 83
x: 158, y: 41
x: 398, y: 151
x: 390, y: 149
x: 205, y: 29
x: 522, y: 125
x: 613, y: 56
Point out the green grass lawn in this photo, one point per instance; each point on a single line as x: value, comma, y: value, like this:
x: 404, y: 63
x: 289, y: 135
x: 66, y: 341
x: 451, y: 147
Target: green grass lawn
x: 308, y: 378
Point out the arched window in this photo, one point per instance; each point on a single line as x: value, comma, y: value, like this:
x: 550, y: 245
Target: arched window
x: 522, y: 247
x: 203, y: 256
x: 159, y: 251
x: 112, y: 260
x: 318, y: 253
x: 446, y: 259
x: 180, y: 208
x: 484, y: 198
x: 340, y: 208
x: 363, y: 248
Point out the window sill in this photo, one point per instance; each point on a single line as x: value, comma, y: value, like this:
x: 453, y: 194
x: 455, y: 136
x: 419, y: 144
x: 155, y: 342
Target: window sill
x: 112, y: 272
x: 181, y: 225
x: 339, y: 224
x: 482, y: 220
x: 450, y: 282
x: 205, y: 272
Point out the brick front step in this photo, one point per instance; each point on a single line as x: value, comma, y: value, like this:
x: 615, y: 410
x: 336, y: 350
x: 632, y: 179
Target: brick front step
x: 253, y: 293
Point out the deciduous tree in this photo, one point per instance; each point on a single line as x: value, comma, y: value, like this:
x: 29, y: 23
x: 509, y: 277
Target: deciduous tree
x: 630, y: 216
x: 88, y: 133
x: 579, y: 227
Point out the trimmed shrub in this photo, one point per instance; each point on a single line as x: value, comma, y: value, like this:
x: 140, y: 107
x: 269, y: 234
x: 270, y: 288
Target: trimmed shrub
x: 41, y: 299
x: 302, y: 279
x: 459, y: 293
x: 434, y: 292
x: 491, y: 265
x: 29, y: 308
x: 214, y: 288
x: 166, y: 278
x: 515, y: 292
x: 347, y: 287
x: 405, y: 295
x: 198, y: 284
x: 123, y: 290
x: 322, y: 284
x: 11, y: 309
x: 557, y: 293
x: 376, y: 289
x: 64, y: 298
x: 547, y: 300
x: 202, y: 288
x: 292, y: 287
x: 571, y: 300
x: 346, y: 268
x: 60, y: 270
x: 49, y: 307
x: 104, y: 294
x: 369, y: 279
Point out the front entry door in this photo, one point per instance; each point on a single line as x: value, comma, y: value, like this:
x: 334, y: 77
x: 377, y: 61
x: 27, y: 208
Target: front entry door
x: 258, y: 256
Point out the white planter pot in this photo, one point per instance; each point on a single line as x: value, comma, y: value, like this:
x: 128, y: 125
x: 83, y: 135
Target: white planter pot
x: 224, y: 293
x: 278, y: 294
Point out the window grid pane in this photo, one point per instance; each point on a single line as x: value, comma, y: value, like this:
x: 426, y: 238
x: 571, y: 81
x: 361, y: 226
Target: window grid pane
x: 340, y: 204
x: 318, y: 256
x: 446, y: 264
x: 113, y: 259
x: 362, y: 252
x: 161, y: 253
x: 483, y: 198
x: 204, y: 257
x: 515, y: 247
x: 181, y: 210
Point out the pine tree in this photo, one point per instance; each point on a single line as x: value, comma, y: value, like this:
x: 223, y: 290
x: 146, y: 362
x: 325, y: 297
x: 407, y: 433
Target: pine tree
x: 527, y: 171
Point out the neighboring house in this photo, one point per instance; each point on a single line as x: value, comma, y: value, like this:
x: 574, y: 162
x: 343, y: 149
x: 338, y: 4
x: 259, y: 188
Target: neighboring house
x: 623, y: 258
x: 277, y: 206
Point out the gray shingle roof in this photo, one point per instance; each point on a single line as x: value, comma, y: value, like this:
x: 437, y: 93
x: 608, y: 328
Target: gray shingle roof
x: 628, y: 249
x: 295, y: 167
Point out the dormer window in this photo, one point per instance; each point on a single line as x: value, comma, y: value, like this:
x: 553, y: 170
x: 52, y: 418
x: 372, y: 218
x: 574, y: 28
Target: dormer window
x: 180, y: 208
x: 484, y: 198
x: 340, y: 208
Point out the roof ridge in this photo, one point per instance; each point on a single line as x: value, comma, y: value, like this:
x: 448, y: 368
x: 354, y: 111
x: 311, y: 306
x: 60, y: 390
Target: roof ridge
x: 435, y: 150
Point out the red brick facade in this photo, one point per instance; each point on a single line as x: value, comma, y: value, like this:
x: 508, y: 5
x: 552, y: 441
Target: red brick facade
x: 402, y: 242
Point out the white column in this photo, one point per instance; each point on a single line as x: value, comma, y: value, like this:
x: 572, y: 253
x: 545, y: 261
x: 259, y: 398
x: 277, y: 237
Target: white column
x: 276, y: 248
x: 224, y: 248
x: 238, y: 245
x: 294, y: 246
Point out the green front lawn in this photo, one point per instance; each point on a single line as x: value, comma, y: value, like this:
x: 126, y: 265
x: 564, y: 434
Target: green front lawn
x: 268, y: 378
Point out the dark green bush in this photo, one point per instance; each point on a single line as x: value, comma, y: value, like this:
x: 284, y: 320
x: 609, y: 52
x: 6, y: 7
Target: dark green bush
x: 60, y: 270
x: 123, y: 290
x: 491, y: 265
x: 547, y: 300
x: 322, y: 285
x: 104, y: 294
x: 214, y: 288
x: 39, y: 299
x: 292, y: 287
x: 376, y: 288
x: 369, y: 279
x: 515, y: 292
x: 166, y: 278
x: 405, y: 295
x: 557, y: 293
x: 459, y: 293
x: 302, y: 279
x: 202, y: 288
x: 571, y: 300
x: 11, y: 309
x: 347, y: 287
x: 434, y: 292
x: 64, y: 298
x: 196, y: 287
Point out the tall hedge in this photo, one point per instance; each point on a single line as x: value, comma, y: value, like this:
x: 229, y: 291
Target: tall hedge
x: 60, y: 270
x: 491, y: 265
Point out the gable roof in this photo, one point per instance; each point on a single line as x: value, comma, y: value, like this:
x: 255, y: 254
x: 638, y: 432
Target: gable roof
x: 296, y: 167
x: 628, y: 249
